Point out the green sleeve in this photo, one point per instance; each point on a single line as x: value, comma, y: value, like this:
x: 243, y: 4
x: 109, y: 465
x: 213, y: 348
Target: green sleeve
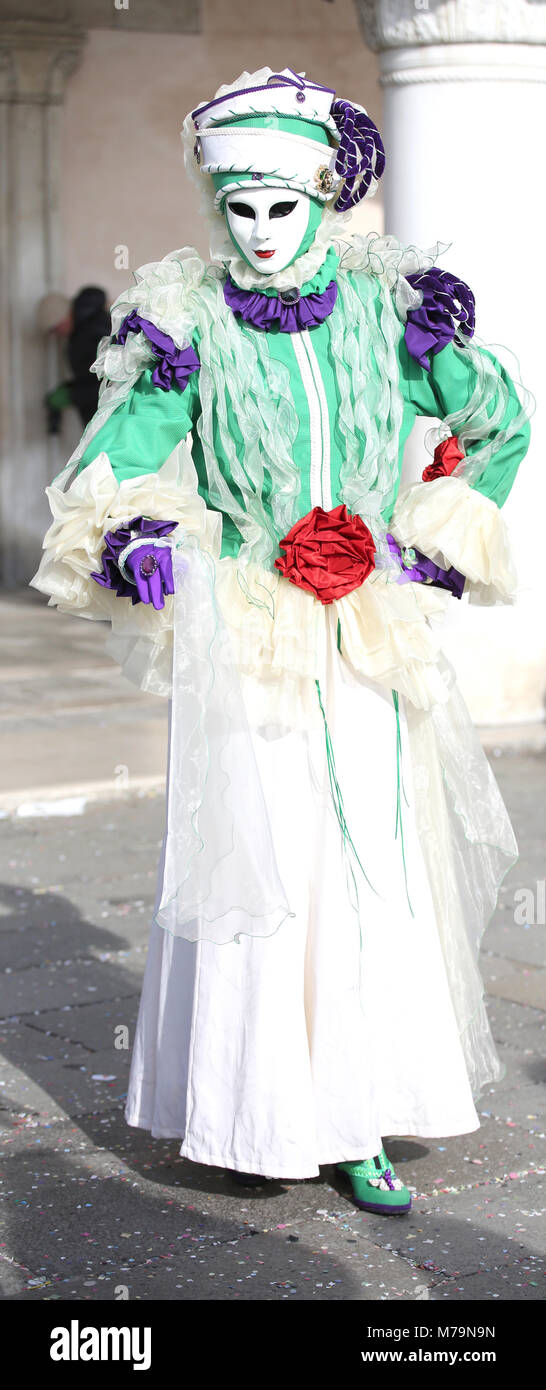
x: 447, y: 387
x: 143, y: 431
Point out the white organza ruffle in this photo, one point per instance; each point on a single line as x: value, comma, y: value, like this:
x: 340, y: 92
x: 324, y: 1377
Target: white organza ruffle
x: 220, y: 876
x: 453, y: 524
x: 384, y: 631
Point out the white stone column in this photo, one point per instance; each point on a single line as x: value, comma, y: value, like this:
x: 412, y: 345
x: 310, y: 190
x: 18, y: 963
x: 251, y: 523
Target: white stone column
x: 35, y: 61
x: 464, y: 89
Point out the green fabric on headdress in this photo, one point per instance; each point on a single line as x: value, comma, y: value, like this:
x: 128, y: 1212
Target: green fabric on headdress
x: 293, y: 124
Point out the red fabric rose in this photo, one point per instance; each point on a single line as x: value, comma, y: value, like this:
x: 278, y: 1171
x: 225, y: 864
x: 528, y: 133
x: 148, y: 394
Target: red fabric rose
x: 447, y: 455
x: 328, y: 553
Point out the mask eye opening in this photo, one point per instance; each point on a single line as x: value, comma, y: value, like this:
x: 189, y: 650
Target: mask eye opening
x: 282, y: 209
x: 242, y: 210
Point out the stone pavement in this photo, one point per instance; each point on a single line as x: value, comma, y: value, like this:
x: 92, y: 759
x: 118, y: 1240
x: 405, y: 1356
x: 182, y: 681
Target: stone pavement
x: 70, y: 724
x: 94, y: 1210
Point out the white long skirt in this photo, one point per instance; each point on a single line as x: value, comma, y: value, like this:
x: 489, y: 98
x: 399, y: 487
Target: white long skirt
x: 308, y: 1047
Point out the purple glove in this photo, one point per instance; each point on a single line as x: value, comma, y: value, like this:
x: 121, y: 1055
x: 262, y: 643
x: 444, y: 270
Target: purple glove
x: 149, y: 586
x: 152, y: 567
x: 423, y: 570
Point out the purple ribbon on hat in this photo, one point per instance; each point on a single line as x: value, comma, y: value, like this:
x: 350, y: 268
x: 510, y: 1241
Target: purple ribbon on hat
x: 116, y: 541
x: 448, y: 304
x: 173, y: 364
x: 266, y: 311
x: 360, y: 156
x: 423, y: 570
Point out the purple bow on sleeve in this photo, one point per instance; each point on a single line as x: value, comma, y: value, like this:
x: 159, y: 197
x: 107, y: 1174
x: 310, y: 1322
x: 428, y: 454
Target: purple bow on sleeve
x: 447, y: 304
x: 173, y: 364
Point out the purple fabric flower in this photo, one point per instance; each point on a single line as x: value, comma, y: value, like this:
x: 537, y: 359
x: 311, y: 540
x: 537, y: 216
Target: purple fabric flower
x: 422, y: 570
x: 115, y: 542
x: 448, y: 304
x: 264, y: 310
x: 173, y: 364
x: 361, y: 153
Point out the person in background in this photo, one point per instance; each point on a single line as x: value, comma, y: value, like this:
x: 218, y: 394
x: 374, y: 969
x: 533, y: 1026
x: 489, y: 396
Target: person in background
x: 87, y: 321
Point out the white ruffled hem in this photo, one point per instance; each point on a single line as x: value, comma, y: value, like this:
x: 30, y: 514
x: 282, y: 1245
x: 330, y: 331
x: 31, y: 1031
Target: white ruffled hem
x: 453, y: 524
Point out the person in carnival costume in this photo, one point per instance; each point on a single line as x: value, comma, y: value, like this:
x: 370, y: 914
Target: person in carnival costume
x: 335, y: 837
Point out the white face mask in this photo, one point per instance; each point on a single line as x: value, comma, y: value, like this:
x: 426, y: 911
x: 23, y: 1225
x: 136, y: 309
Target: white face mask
x: 268, y: 225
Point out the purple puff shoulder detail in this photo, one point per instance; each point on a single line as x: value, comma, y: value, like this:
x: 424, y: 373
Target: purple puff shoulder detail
x: 448, y: 304
x: 173, y: 364
x: 115, y: 542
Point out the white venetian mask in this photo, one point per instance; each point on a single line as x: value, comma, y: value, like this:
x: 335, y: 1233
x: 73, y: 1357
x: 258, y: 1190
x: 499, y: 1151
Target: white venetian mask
x: 268, y: 225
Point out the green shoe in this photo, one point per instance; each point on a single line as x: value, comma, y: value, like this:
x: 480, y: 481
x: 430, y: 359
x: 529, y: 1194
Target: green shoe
x: 375, y: 1185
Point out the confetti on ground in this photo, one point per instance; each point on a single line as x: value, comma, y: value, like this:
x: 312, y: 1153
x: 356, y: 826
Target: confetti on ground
x: 96, y: 1204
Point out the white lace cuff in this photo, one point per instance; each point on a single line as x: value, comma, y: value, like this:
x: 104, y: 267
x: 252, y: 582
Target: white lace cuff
x: 453, y: 524
x: 96, y: 503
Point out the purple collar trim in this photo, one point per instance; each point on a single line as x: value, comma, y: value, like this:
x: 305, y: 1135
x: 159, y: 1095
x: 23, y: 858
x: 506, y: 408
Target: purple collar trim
x: 268, y: 311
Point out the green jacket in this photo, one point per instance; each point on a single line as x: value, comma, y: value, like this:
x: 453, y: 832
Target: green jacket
x: 144, y: 429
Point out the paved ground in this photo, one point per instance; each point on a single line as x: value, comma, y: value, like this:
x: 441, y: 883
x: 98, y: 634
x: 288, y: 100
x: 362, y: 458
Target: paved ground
x: 70, y: 725
x: 93, y: 1209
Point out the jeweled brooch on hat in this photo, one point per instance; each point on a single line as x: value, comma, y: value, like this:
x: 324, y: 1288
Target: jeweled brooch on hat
x: 324, y: 179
